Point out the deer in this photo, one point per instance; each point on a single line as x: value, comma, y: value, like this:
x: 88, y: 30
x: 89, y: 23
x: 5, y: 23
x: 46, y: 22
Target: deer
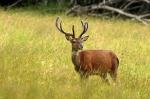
x: 90, y: 62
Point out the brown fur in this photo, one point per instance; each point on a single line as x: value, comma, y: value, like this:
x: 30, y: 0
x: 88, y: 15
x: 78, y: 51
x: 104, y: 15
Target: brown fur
x: 98, y: 62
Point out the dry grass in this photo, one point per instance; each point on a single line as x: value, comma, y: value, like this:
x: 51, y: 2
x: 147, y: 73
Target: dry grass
x: 35, y: 58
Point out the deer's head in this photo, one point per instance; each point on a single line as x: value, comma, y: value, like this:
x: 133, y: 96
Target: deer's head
x: 75, y: 41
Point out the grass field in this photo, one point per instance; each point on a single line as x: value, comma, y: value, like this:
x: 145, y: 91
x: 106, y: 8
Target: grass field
x: 35, y: 58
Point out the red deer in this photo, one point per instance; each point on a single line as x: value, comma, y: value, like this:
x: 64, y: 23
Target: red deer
x: 90, y: 62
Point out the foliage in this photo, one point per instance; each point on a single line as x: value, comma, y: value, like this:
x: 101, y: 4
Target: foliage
x: 35, y: 58
x: 32, y: 2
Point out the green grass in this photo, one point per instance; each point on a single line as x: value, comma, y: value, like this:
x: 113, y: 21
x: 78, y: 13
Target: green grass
x: 35, y: 58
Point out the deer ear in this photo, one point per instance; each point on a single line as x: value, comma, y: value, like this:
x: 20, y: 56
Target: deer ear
x: 84, y: 38
x: 69, y: 38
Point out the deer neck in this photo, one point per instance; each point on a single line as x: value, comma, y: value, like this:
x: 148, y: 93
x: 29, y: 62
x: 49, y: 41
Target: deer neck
x: 75, y: 60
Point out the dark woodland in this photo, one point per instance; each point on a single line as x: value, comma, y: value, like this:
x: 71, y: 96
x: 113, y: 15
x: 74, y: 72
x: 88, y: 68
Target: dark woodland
x: 134, y: 9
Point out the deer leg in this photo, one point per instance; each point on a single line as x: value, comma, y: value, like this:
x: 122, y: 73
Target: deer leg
x: 84, y: 76
x: 84, y: 85
x: 104, y: 77
x: 83, y: 79
x: 113, y: 75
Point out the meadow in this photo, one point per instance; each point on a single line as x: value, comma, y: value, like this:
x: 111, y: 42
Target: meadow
x: 35, y: 58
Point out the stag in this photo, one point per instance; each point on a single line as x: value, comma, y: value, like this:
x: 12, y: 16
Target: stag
x: 90, y: 62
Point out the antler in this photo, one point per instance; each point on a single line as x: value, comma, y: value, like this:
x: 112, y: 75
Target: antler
x: 85, y: 28
x: 59, y: 27
x: 73, y: 31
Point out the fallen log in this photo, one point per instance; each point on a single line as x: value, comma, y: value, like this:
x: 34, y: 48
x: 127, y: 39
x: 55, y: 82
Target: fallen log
x: 133, y: 9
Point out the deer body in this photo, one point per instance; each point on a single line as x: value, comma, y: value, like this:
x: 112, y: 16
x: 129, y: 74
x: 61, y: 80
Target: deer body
x: 90, y: 62
x: 95, y: 62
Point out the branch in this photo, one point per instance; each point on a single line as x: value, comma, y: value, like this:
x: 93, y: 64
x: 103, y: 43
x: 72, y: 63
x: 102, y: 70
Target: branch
x: 12, y: 5
x: 109, y: 8
x: 145, y: 15
x: 122, y: 13
x: 130, y: 3
x: 147, y: 1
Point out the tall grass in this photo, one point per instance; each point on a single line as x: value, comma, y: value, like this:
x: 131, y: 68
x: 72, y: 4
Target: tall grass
x: 35, y: 58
